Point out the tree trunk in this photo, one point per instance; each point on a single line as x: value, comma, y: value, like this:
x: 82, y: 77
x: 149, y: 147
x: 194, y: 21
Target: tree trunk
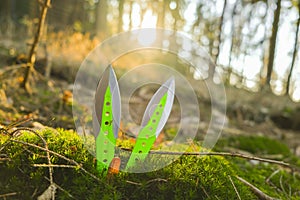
x: 120, y: 21
x: 161, y: 14
x: 264, y: 56
x: 31, y: 57
x: 6, y: 15
x: 232, y: 43
x: 101, y: 21
x: 130, y: 15
x: 220, y: 31
x: 294, y: 52
x: 272, y: 46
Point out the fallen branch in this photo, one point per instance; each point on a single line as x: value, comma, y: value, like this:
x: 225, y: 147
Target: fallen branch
x: 148, y: 182
x: 268, y: 180
x: 255, y: 190
x: 8, y: 195
x: 60, y: 166
x: 157, y: 180
x: 62, y: 189
x: 134, y: 183
x: 7, y: 70
x: 236, y: 191
x: 225, y: 154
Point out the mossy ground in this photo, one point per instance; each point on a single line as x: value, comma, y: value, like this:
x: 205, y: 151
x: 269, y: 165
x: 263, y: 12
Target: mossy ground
x: 189, y: 177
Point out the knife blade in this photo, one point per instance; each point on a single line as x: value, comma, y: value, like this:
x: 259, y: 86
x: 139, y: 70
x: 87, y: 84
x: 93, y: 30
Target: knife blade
x: 154, y: 119
x: 106, y: 118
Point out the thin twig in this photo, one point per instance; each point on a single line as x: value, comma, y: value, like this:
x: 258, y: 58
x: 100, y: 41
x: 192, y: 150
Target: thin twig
x: 255, y: 190
x: 8, y: 194
x: 204, y: 190
x: 157, y: 180
x: 281, y: 185
x: 134, y: 183
x: 60, y: 166
x: 4, y: 157
x: 217, y: 197
x: 58, y: 155
x: 62, y: 189
x: 268, y: 181
x: 12, y: 134
x: 148, y: 182
x: 32, y: 53
x: 47, y: 152
x: 237, y: 193
x: 228, y: 154
x: 271, y: 176
x: 11, y: 68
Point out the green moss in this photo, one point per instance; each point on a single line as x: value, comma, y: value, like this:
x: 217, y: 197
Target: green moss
x: 255, y: 144
x: 258, y: 173
x: 188, y: 177
x: 272, y: 180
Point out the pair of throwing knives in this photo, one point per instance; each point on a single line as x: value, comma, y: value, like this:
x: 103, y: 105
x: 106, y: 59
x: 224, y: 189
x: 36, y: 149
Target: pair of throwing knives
x: 107, y: 117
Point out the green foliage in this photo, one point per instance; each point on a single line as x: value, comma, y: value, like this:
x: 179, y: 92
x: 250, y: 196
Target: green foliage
x: 188, y: 177
x: 255, y: 144
x: 274, y: 181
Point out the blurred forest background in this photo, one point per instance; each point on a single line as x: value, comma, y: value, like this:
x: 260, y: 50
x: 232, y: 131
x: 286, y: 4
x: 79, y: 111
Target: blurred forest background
x: 253, y: 43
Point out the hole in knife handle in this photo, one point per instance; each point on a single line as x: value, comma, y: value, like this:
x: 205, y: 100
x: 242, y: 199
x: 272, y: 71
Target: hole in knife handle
x: 147, y: 136
x: 107, y: 103
x: 140, y: 151
x: 136, y: 159
x: 160, y: 105
x: 144, y: 144
x: 153, y: 121
x: 157, y: 113
x: 107, y: 114
x: 105, y: 132
x: 105, y: 151
x: 150, y: 128
x: 105, y: 160
x: 106, y: 123
x: 105, y: 142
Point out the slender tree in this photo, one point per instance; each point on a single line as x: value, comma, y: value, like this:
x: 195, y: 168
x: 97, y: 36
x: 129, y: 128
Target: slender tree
x: 161, y: 14
x: 272, y: 46
x: 294, y: 51
x: 264, y: 43
x: 232, y: 42
x: 6, y: 15
x: 32, y: 53
x: 221, y: 24
x: 120, y: 21
x: 130, y: 15
x: 101, y: 21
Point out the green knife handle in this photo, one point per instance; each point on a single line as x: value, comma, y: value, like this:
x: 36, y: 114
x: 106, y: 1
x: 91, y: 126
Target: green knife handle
x: 141, y: 149
x: 147, y: 135
x: 105, y: 141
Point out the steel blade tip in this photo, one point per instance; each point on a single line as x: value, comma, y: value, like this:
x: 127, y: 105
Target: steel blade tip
x: 170, y: 84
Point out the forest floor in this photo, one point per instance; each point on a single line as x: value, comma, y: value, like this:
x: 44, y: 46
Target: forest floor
x: 250, y: 116
x: 260, y: 113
